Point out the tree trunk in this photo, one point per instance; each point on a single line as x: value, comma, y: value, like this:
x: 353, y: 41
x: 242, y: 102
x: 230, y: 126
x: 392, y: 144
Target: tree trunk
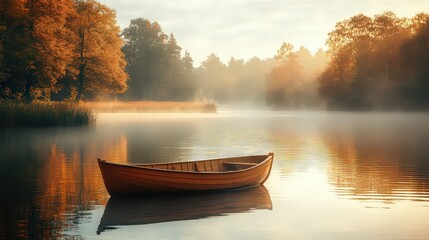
x: 81, y: 76
x: 27, y: 90
x: 80, y: 82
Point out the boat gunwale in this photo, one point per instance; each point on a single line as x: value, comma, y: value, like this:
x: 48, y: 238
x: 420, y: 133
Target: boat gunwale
x: 268, y: 158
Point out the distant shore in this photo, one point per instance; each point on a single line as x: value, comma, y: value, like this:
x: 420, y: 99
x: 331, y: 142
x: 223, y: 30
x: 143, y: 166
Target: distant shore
x: 149, y: 106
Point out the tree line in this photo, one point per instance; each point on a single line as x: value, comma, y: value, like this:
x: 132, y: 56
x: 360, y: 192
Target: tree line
x: 372, y: 63
x: 73, y: 49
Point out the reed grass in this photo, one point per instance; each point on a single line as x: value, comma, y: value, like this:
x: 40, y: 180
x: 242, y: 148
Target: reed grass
x: 43, y: 114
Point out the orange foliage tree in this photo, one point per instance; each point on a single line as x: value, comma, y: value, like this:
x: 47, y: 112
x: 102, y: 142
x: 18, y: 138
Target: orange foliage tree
x: 368, y: 68
x: 415, y: 63
x: 36, y: 44
x: 98, y: 60
x: 46, y: 43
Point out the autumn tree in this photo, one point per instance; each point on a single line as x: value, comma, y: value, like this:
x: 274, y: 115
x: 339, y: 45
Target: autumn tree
x: 36, y: 44
x: 99, y: 64
x: 415, y: 62
x: 368, y: 66
x: 53, y: 42
x: 335, y: 80
x: 49, y: 43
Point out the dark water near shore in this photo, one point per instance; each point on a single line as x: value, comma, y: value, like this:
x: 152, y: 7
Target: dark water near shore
x: 335, y: 176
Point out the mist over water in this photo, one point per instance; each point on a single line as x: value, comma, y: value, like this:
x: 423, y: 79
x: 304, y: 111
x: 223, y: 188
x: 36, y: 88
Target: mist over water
x: 335, y: 176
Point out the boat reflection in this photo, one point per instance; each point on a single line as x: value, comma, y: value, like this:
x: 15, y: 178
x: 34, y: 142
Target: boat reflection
x: 185, y: 206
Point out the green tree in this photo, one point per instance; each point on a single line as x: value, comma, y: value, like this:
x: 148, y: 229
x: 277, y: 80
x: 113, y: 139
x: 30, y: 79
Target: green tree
x: 283, y: 80
x: 249, y: 80
x: 155, y: 65
x: 292, y: 83
x: 236, y: 68
x: 143, y: 48
x: 254, y: 80
x: 176, y: 79
x: 215, y: 81
x: 183, y: 83
x: 239, y: 83
x: 286, y: 54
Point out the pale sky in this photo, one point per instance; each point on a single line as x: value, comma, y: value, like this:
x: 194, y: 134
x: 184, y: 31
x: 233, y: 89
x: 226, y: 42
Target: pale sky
x: 247, y: 28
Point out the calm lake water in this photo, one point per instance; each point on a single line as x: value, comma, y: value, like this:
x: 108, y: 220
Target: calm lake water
x: 335, y: 176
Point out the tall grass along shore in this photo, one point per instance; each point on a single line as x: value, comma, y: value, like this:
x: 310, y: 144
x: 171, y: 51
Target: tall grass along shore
x: 43, y: 114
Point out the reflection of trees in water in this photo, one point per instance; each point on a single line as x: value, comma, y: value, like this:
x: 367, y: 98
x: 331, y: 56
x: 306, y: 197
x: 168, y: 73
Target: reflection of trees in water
x: 387, y: 162
x: 296, y: 143
x: 69, y: 186
x: 48, y: 180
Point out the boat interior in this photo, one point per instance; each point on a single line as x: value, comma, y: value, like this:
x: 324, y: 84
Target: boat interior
x: 214, y: 165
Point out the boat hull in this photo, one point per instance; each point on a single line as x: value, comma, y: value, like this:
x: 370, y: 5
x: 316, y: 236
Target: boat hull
x: 132, y: 179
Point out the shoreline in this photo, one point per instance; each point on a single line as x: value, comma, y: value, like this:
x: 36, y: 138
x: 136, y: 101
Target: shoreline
x: 44, y: 114
x: 149, y: 107
x: 68, y: 114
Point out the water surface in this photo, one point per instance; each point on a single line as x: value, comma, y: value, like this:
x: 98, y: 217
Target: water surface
x: 335, y: 176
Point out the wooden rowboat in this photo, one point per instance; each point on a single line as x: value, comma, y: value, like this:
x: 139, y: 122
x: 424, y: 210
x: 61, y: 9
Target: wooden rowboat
x: 214, y: 174
x: 159, y: 208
